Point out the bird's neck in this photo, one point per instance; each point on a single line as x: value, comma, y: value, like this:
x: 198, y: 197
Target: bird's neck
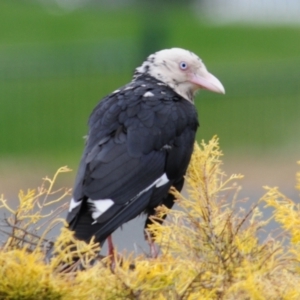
x: 184, y: 89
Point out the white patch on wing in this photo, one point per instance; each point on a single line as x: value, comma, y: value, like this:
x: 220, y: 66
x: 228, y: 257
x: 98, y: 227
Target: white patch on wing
x: 99, y: 206
x: 162, y: 180
x: 128, y: 88
x: 148, y: 94
x: 116, y: 91
x: 73, y: 204
x: 157, y: 183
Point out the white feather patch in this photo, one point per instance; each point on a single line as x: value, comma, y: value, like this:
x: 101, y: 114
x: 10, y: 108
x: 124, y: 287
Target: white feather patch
x: 148, y: 94
x: 99, y: 206
x: 73, y: 204
x: 162, y: 180
x: 157, y: 183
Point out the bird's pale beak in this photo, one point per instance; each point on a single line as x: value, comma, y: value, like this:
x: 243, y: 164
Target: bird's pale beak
x: 208, y: 82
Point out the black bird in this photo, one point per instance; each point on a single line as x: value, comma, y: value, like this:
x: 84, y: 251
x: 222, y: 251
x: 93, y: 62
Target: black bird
x: 139, y: 144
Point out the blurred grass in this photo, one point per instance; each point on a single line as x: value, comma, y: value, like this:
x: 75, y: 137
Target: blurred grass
x: 54, y: 67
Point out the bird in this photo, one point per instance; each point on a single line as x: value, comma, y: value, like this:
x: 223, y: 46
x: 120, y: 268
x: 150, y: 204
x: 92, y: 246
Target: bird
x: 139, y: 144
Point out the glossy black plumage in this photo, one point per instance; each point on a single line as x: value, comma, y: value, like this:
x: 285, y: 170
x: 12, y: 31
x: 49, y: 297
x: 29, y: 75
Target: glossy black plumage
x: 136, y: 135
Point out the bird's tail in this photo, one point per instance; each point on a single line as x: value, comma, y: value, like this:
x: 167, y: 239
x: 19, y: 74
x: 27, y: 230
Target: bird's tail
x: 85, y: 227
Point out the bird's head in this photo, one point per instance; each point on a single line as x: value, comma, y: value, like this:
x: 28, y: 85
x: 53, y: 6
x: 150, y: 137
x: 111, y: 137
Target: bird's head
x: 182, y: 70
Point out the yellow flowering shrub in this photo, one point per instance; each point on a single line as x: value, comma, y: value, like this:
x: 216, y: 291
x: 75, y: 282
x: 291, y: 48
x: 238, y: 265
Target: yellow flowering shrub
x: 209, y: 248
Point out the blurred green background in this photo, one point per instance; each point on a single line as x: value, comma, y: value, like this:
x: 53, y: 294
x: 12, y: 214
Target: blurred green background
x: 57, y: 63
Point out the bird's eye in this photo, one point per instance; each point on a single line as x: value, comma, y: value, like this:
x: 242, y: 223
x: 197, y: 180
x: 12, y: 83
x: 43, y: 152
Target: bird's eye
x: 183, y: 65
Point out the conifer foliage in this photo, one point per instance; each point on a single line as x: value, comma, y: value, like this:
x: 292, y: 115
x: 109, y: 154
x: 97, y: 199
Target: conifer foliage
x: 209, y: 247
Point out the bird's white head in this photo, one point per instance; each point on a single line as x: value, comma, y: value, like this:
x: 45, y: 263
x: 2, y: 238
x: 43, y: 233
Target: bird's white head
x: 182, y: 70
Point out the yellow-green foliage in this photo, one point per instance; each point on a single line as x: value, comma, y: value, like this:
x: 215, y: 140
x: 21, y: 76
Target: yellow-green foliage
x: 209, y: 249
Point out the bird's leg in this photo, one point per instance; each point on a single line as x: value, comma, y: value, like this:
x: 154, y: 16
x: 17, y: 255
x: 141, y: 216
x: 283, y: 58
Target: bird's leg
x: 115, y: 257
x: 111, y: 252
x: 153, y: 249
x: 152, y: 245
x: 111, y: 248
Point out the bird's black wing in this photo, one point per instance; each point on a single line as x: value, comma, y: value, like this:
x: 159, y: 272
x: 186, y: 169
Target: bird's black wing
x: 140, y: 141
